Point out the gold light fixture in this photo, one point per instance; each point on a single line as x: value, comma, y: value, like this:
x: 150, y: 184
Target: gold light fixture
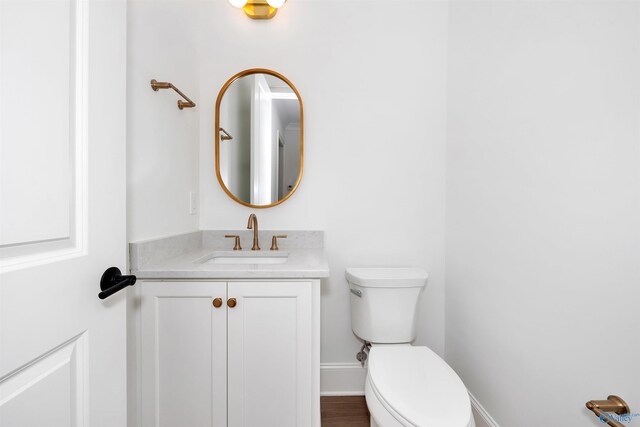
x: 259, y: 9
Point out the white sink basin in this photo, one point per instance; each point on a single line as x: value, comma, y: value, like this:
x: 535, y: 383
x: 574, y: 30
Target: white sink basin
x: 248, y: 257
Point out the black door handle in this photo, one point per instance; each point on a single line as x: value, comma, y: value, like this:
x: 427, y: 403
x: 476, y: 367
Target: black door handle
x: 113, y: 281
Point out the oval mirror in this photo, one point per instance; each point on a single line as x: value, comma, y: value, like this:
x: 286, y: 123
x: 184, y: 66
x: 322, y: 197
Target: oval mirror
x: 259, y: 138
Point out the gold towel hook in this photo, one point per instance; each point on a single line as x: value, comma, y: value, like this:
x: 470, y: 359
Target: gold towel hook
x: 614, y: 404
x: 156, y: 85
x: 226, y: 136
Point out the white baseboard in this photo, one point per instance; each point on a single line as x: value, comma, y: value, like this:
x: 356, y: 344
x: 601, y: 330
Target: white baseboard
x: 482, y: 417
x: 342, y: 379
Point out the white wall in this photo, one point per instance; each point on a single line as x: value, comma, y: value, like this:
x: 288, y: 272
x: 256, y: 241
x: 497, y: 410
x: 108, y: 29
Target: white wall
x: 373, y: 84
x: 162, y: 141
x: 543, y: 207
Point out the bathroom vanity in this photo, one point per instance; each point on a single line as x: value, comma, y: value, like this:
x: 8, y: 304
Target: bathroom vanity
x: 229, y: 338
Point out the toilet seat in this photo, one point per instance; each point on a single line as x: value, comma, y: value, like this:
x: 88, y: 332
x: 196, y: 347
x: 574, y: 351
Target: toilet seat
x: 412, y: 386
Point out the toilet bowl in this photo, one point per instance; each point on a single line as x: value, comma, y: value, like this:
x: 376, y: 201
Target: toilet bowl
x: 406, y: 385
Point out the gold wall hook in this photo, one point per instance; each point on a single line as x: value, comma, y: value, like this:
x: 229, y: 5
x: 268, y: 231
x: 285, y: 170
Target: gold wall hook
x: 226, y: 137
x: 156, y: 85
x: 613, y: 404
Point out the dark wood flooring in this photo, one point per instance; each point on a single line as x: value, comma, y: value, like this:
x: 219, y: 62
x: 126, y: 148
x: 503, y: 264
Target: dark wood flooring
x: 344, y: 411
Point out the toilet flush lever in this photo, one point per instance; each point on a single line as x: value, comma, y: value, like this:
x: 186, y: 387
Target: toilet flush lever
x: 356, y: 292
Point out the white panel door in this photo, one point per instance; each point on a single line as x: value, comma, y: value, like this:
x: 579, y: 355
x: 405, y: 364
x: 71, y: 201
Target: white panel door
x: 183, y: 354
x: 270, y: 363
x: 62, y: 212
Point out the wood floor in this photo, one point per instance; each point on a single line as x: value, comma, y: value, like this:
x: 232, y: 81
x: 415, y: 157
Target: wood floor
x: 344, y: 411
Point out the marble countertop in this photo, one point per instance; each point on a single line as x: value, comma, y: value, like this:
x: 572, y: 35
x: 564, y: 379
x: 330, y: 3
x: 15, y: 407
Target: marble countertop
x: 185, y: 256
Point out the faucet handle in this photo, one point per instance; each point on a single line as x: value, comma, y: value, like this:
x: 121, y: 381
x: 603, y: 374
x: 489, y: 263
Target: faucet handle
x: 274, y: 241
x: 237, y: 246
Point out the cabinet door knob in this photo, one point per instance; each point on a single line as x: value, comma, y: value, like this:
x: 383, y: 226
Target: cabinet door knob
x: 217, y: 302
x: 231, y: 302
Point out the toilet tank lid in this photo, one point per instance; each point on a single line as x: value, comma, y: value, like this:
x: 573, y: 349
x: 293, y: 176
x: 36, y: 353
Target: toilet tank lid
x: 387, y: 277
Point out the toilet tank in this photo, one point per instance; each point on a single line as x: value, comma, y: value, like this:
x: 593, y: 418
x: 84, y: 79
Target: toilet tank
x: 384, y: 302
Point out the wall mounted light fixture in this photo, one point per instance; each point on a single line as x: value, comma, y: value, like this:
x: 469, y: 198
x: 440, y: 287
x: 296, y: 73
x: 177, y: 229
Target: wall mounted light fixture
x: 259, y: 9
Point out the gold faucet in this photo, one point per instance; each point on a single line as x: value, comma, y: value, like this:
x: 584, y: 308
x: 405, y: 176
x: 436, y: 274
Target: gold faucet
x: 253, y: 224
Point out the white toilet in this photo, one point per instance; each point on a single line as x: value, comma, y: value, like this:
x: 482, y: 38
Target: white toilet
x: 406, y: 385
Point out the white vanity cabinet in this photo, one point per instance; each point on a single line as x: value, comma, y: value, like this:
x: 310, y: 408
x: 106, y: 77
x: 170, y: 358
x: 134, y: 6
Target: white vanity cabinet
x: 255, y: 364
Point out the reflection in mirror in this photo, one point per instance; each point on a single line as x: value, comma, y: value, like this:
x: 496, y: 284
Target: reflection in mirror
x: 259, y: 139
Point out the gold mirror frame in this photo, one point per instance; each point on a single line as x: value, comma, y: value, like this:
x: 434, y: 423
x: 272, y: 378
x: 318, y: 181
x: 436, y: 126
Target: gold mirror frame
x: 217, y: 133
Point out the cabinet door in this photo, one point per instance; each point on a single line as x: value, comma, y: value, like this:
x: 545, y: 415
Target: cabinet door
x: 270, y: 370
x: 183, y: 354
